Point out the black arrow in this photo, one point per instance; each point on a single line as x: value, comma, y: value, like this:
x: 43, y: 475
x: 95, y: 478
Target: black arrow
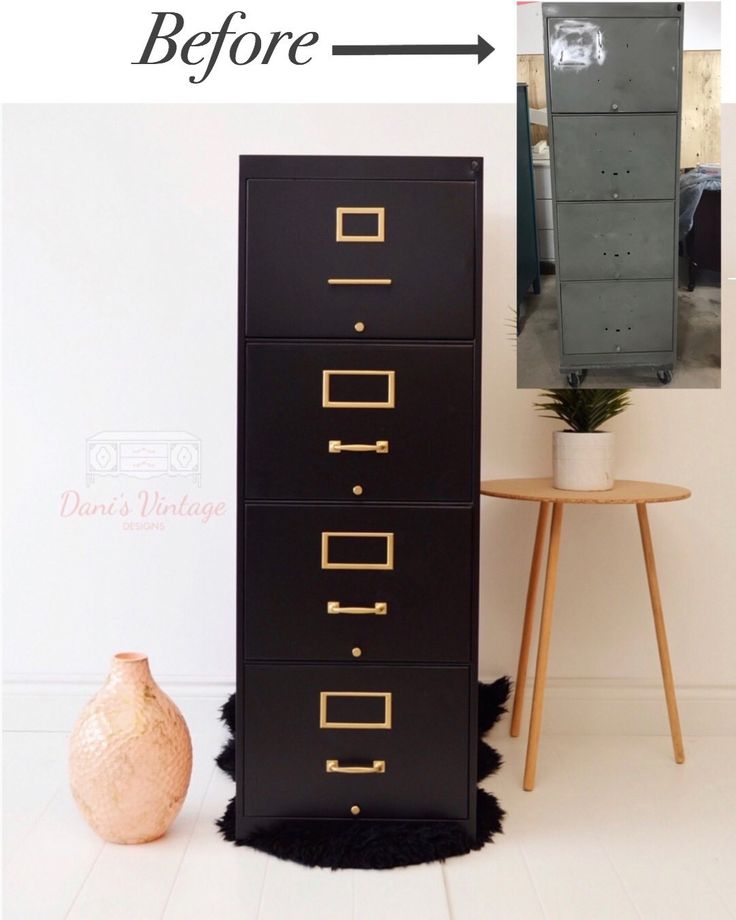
x: 482, y: 49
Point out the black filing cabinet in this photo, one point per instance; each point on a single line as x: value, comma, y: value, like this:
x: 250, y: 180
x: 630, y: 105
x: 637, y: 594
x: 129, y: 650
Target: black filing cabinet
x: 358, y: 476
x: 614, y: 74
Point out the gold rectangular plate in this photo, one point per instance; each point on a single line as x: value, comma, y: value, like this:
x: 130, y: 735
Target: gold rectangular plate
x: 326, y: 564
x: 390, y: 402
x: 326, y: 694
x: 380, y: 235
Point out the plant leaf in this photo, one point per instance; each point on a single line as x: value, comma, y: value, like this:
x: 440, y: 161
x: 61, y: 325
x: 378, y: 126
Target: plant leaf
x: 583, y: 410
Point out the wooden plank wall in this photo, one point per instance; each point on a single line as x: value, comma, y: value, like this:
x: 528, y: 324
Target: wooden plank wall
x: 701, y: 108
x: 530, y: 70
x: 701, y: 103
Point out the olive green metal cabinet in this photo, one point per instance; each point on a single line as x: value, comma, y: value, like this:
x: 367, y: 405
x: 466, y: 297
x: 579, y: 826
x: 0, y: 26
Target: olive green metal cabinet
x: 614, y: 78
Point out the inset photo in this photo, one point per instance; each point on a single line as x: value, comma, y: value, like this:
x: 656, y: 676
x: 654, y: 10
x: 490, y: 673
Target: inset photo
x: 619, y: 195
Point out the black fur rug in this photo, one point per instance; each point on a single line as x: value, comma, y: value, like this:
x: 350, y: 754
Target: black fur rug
x: 377, y: 844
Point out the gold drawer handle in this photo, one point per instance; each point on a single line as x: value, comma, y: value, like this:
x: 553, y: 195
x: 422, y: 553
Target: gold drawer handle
x: 333, y: 766
x: 337, y: 447
x: 379, y: 609
x: 338, y: 281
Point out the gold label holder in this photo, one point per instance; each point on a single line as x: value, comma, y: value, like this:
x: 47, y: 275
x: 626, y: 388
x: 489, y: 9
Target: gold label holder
x: 388, y: 403
x: 327, y: 535
x: 325, y: 695
x: 378, y: 237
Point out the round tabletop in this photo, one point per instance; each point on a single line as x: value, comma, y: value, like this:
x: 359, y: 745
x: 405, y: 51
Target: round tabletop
x: 624, y: 492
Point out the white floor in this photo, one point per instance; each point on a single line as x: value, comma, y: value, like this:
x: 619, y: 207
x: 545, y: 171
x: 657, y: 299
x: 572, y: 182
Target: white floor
x: 614, y: 830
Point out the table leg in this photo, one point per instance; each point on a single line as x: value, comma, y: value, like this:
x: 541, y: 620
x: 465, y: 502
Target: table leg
x: 664, y: 654
x: 545, y: 629
x: 526, y: 634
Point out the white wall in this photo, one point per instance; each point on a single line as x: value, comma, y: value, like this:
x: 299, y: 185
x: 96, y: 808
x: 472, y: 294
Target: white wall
x: 120, y: 313
x: 702, y: 27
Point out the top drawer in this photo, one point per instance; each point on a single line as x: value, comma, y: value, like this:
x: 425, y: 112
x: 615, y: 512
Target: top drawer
x: 360, y: 258
x: 602, y: 64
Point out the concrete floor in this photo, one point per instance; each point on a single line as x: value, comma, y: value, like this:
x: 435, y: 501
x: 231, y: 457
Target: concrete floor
x: 698, y: 343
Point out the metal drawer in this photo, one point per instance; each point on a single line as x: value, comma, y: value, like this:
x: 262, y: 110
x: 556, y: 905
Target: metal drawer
x: 367, y: 258
x: 393, y: 420
x: 598, y: 157
x: 394, y: 582
x: 610, y: 240
x: 617, y: 316
x: 614, y: 64
x: 412, y: 745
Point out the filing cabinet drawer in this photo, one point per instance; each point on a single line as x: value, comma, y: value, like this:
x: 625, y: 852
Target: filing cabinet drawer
x: 411, y: 751
x: 393, y: 256
x: 620, y: 239
x: 394, y: 420
x: 394, y: 582
x: 617, y: 316
x: 602, y: 158
x: 614, y: 64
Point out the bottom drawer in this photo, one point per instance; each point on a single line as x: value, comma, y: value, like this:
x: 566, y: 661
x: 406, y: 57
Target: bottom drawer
x: 617, y: 316
x: 405, y: 729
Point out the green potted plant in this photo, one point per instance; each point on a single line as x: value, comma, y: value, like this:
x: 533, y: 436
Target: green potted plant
x: 582, y: 454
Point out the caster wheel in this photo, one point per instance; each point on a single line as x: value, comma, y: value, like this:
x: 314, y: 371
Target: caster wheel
x: 691, y: 286
x: 664, y: 377
x: 575, y: 378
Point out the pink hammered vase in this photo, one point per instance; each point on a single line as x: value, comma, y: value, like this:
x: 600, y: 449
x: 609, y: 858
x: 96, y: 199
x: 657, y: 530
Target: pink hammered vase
x: 130, y: 756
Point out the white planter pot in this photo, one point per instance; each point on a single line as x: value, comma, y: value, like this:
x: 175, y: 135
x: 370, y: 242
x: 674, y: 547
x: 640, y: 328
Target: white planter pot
x: 583, y: 461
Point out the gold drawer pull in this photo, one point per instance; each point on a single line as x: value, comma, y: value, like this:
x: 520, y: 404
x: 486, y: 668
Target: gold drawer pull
x: 338, y: 281
x: 333, y: 766
x: 337, y: 447
x: 379, y: 609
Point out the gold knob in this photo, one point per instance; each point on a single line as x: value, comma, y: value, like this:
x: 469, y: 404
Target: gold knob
x: 357, y: 490
x: 359, y: 327
x: 357, y: 652
x: 355, y: 809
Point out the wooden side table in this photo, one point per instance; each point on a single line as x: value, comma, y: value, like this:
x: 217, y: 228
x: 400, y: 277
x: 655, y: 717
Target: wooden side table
x: 624, y: 492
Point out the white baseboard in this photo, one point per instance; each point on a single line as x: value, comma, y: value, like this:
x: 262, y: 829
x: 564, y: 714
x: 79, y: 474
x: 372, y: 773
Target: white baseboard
x: 621, y: 707
x: 52, y: 704
x: 572, y: 706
